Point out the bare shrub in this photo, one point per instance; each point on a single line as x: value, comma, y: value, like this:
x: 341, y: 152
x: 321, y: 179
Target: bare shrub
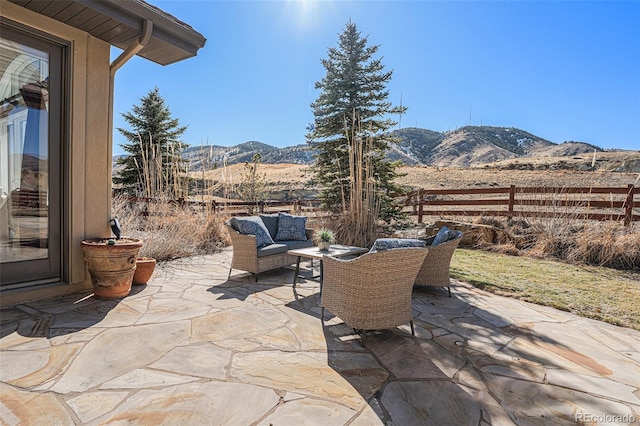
x: 252, y: 185
x: 610, y: 244
x: 169, y: 230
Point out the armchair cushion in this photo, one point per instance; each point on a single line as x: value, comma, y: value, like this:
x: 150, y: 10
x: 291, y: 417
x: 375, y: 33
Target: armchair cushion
x: 393, y: 243
x: 444, y: 234
x: 291, y: 228
x: 253, y: 225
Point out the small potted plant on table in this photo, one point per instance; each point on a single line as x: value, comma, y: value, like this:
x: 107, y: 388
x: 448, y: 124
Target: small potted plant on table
x: 324, y: 237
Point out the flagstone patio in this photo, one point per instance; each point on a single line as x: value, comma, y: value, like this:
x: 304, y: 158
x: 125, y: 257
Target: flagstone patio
x: 193, y: 348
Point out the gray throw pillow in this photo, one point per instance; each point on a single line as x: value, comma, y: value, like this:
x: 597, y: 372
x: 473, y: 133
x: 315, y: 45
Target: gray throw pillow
x: 271, y: 222
x: 444, y: 234
x: 291, y: 228
x: 391, y: 243
x: 253, y: 225
x: 233, y: 222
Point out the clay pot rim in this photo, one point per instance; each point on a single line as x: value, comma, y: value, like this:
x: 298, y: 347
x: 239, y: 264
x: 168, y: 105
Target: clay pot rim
x: 145, y: 259
x: 124, y: 241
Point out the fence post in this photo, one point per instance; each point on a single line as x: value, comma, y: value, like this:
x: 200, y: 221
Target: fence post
x: 512, y: 199
x: 628, y: 206
x: 420, y: 195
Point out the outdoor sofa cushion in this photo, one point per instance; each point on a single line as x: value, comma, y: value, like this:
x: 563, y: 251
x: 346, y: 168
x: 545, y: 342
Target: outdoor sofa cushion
x: 282, y: 247
x: 392, y: 243
x: 253, y: 225
x: 445, y: 234
x: 291, y: 228
x: 275, y: 248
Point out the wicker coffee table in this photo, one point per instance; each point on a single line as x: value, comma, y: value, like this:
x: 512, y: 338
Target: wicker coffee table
x: 336, y: 250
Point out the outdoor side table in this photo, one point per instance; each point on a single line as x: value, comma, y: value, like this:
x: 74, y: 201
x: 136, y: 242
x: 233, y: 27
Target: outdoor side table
x: 336, y: 250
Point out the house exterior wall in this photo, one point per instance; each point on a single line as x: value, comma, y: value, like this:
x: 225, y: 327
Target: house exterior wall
x: 87, y: 166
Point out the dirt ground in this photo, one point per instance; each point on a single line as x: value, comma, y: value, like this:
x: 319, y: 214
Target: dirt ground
x: 431, y: 177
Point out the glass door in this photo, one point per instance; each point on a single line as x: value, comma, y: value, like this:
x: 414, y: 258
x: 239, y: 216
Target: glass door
x: 30, y: 158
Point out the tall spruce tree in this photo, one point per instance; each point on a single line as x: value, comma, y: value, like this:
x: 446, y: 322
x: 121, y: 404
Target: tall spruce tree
x: 153, y: 164
x: 353, y: 103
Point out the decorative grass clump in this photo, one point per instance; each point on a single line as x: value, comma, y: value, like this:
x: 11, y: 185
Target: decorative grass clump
x: 169, y: 230
x: 609, y: 244
x: 357, y: 225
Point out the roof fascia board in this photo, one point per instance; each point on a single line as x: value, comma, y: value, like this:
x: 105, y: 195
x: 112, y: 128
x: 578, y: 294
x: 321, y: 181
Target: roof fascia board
x: 133, y: 13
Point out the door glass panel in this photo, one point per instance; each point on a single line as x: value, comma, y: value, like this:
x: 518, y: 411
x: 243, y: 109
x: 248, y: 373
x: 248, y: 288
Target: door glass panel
x: 25, y: 162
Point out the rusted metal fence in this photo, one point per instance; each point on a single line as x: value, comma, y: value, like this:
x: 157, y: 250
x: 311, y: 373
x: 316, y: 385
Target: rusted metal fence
x: 607, y: 203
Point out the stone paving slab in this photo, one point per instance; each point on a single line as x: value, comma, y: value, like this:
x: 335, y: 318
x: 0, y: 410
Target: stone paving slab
x: 193, y: 347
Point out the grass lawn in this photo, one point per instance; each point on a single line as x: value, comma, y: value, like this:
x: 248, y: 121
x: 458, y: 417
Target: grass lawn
x: 594, y: 292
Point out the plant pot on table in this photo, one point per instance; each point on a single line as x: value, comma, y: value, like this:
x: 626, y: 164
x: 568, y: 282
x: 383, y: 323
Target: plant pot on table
x: 324, y: 245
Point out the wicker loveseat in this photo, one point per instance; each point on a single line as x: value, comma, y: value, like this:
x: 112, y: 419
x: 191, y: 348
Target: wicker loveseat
x: 250, y: 256
x: 373, y: 291
x: 435, y: 268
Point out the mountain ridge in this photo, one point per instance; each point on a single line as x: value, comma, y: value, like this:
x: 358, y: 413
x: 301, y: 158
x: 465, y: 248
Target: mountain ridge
x: 465, y: 147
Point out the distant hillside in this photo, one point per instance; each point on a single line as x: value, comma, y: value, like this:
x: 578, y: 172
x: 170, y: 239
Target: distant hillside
x: 464, y: 147
x: 476, y: 145
x: 211, y: 156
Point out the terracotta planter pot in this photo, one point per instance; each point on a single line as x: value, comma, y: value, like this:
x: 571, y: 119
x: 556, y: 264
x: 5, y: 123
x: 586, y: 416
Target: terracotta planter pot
x: 111, y: 266
x: 144, y: 270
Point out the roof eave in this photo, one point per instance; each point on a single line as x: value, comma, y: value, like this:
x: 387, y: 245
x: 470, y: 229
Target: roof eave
x: 120, y: 22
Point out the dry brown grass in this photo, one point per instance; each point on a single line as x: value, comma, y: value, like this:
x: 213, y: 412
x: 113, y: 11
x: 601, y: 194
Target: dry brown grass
x: 609, y: 244
x: 283, y: 178
x: 169, y: 231
x: 357, y: 225
x: 480, y: 177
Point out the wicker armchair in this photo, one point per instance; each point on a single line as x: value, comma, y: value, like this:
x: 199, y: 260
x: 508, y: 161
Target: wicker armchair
x: 435, y: 268
x: 373, y: 291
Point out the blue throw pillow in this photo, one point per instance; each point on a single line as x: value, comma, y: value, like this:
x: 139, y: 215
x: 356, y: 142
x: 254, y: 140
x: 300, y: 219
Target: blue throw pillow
x: 392, y: 243
x: 444, y: 234
x: 291, y: 228
x: 253, y: 225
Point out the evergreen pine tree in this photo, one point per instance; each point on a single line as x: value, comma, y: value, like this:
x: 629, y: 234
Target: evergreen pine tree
x: 353, y: 103
x: 153, y: 164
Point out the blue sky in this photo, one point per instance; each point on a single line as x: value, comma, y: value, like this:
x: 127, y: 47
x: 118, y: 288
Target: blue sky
x: 562, y: 70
